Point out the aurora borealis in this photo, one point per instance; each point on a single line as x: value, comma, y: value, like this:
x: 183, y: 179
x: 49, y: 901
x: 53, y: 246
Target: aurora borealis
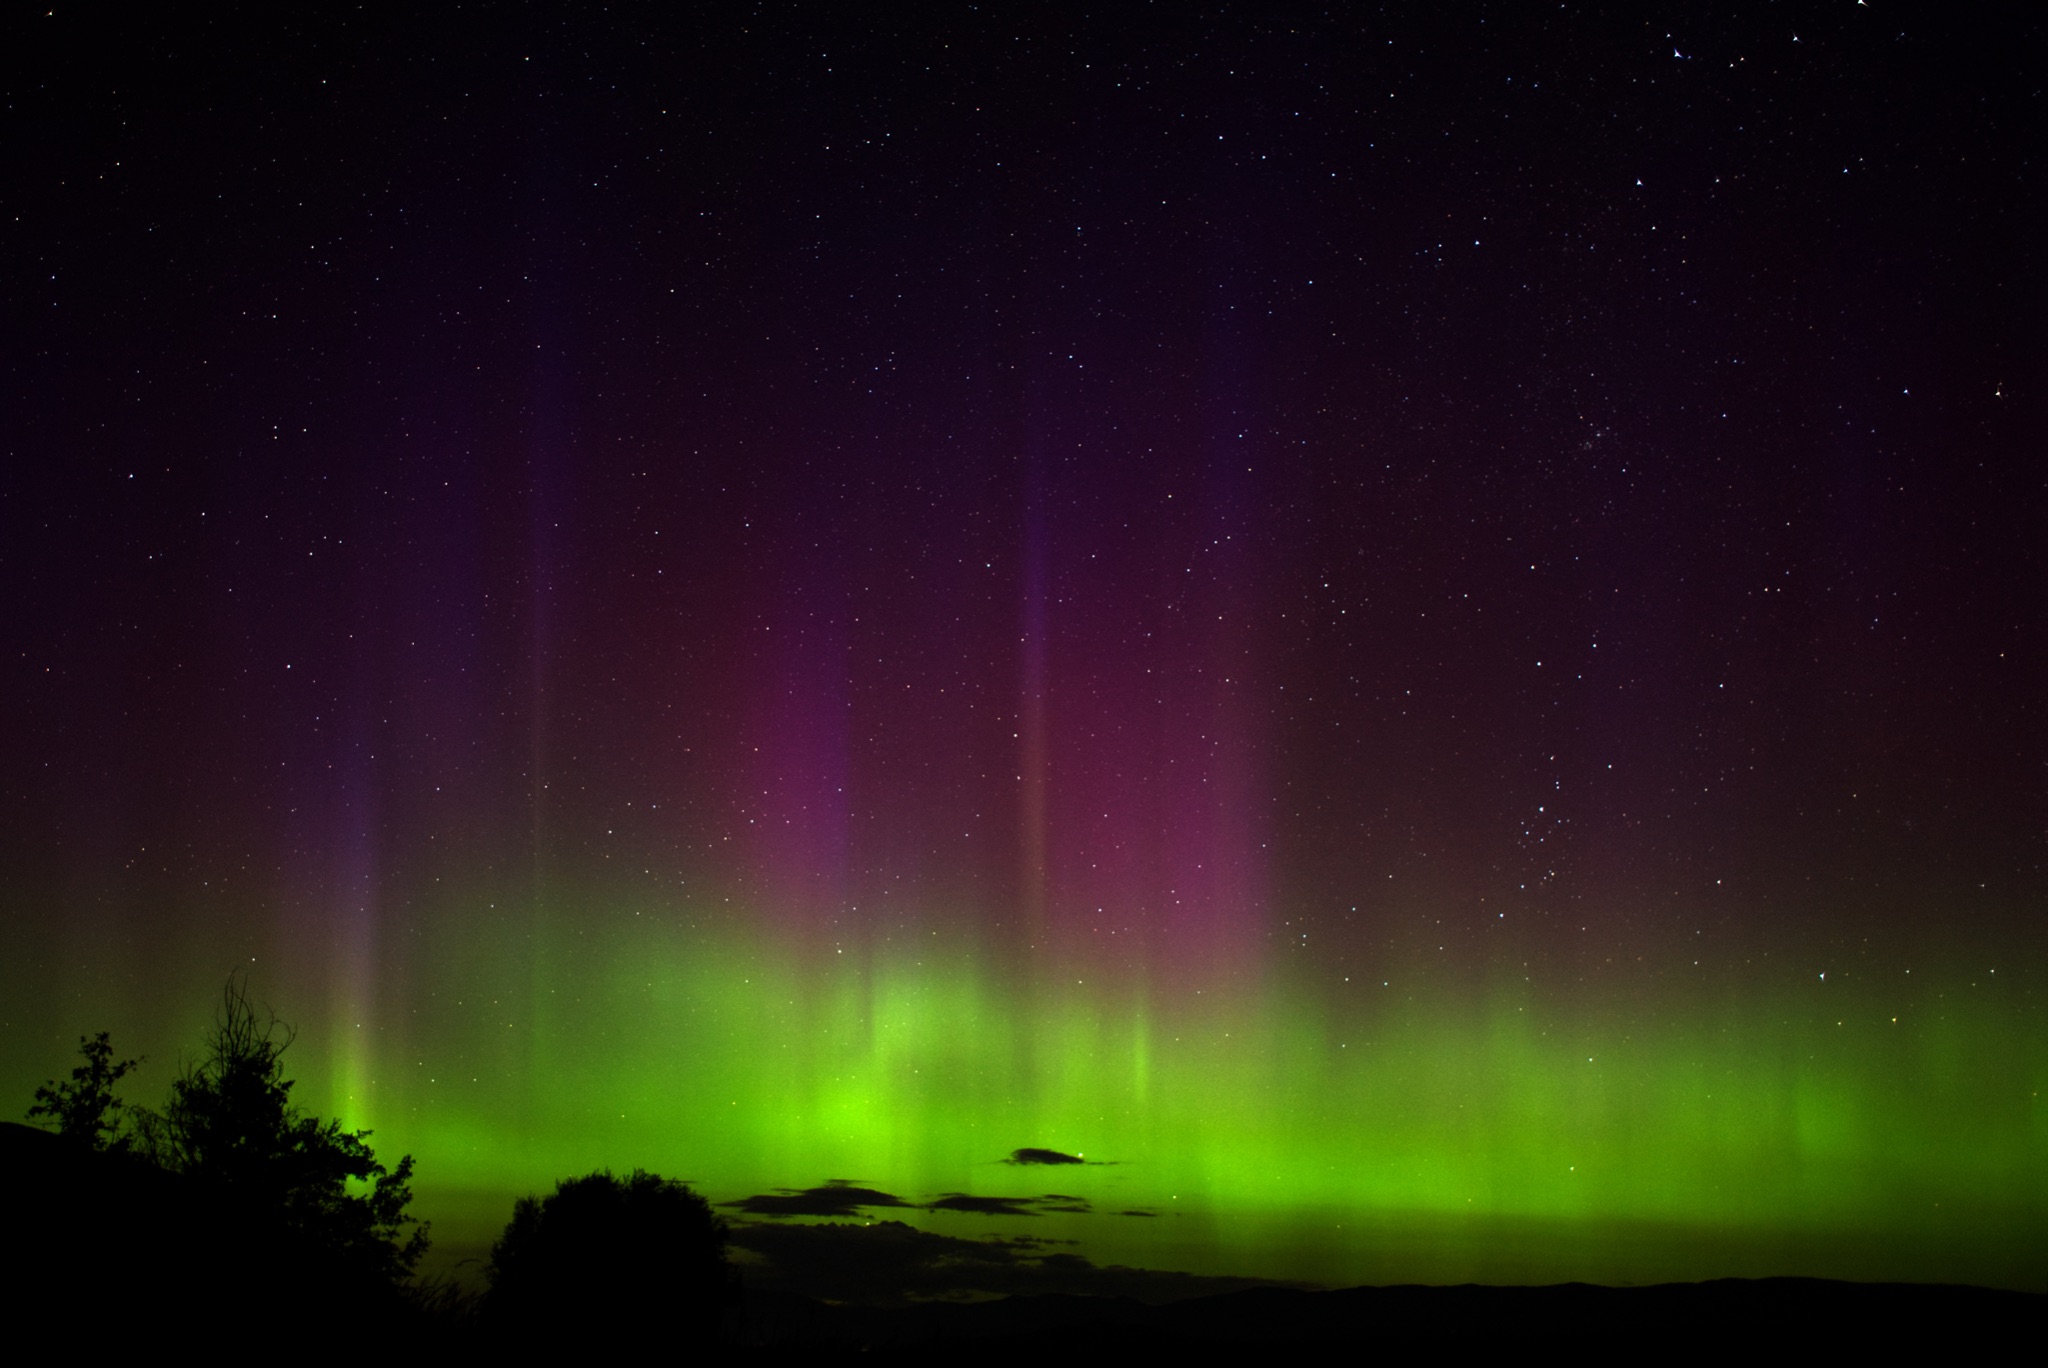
x: 1416, y: 633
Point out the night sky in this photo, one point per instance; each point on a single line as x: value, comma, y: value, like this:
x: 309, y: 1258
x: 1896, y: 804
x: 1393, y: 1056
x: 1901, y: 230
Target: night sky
x: 1418, y: 631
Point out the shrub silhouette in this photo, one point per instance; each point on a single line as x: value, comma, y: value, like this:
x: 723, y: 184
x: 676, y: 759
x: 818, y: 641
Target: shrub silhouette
x: 85, y: 1109
x: 229, y: 1192
x: 607, y: 1256
x: 231, y: 1131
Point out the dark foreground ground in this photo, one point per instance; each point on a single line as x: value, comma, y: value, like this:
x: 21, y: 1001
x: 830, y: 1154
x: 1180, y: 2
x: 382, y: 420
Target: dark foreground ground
x: 101, y: 1247
x: 1665, y: 1320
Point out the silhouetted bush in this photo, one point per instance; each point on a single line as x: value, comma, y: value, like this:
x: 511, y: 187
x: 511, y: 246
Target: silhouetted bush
x: 229, y: 1187
x: 231, y: 1129
x: 85, y: 1109
x: 606, y: 1256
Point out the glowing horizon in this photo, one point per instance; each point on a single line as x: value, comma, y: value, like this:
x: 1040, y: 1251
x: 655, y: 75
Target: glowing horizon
x: 1893, y: 1120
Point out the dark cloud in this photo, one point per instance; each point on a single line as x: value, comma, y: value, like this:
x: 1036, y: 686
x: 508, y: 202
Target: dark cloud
x: 837, y: 1197
x: 1012, y: 1206
x: 984, y: 1206
x: 841, y: 1197
x: 1042, y: 1156
x: 1073, y: 1206
x: 885, y: 1263
x: 889, y: 1263
x: 1137, y: 1213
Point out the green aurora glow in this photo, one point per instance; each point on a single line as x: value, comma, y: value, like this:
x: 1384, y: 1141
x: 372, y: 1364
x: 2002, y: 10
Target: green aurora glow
x: 1406, y: 1131
x: 1420, y: 632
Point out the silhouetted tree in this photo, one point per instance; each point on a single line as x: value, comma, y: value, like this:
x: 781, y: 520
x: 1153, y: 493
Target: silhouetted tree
x: 85, y: 1109
x: 231, y: 1129
x: 606, y: 1256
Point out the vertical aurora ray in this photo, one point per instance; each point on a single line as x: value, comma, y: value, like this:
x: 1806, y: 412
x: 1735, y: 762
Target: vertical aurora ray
x: 1440, y: 704
x: 349, y: 919
x: 1031, y: 706
x: 1359, y: 1102
x: 794, y: 762
x: 1276, y: 1119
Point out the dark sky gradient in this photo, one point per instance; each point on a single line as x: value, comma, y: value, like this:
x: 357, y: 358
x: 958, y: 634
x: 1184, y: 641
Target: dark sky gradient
x: 1536, y: 510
